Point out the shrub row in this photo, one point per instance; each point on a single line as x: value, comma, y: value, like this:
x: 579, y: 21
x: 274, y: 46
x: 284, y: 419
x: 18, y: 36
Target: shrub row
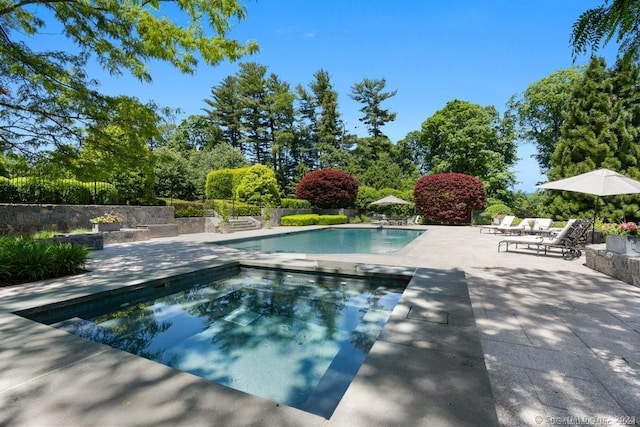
x: 184, y: 208
x: 60, y: 191
x: 313, y: 219
x: 232, y: 208
x: 26, y: 260
x: 294, y: 204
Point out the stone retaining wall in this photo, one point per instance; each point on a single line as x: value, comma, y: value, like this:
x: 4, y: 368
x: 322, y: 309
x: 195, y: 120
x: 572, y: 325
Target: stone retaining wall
x: 28, y: 219
x: 621, y: 267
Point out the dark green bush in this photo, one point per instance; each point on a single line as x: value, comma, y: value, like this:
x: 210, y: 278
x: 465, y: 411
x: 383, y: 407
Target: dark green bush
x: 26, y: 259
x: 294, y: 204
x: 184, y: 208
x: 233, y: 208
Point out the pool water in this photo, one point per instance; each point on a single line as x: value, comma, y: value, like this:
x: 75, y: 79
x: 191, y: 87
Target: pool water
x: 332, y: 241
x: 293, y: 338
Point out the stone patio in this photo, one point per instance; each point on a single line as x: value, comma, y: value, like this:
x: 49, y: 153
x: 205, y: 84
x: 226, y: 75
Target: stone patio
x: 559, y: 341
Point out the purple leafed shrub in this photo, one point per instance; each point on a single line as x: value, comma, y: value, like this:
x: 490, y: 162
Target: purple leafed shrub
x: 449, y: 198
x: 328, y: 188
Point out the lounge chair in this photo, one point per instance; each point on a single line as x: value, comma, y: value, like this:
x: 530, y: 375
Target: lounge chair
x: 506, y: 222
x: 516, y: 229
x: 381, y: 221
x: 567, y: 240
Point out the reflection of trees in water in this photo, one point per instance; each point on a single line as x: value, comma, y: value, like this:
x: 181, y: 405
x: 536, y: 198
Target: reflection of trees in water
x: 133, y: 330
x: 296, y: 302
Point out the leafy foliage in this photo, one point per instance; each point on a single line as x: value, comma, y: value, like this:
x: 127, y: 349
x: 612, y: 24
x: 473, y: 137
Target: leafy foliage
x: 259, y: 187
x: 471, y: 139
x: 538, y: 113
x: 328, y: 188
x: 222, y: 183
x: 47, y: 97
x: 615, y: 18
x: 25, y: 260
x: 449, y: 197
x: 294, y: 204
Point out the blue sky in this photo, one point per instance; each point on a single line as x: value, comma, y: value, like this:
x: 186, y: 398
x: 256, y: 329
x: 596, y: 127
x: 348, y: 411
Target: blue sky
x: 430, y: 51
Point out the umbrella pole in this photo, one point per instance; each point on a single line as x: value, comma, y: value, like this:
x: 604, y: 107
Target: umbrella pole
x: 593, y: 226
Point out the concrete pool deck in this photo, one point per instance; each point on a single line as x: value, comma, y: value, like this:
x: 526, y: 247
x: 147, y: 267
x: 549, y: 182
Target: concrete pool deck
x: 560, y: 344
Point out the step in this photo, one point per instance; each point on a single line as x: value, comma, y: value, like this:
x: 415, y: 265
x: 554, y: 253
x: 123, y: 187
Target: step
x: 160, y: 230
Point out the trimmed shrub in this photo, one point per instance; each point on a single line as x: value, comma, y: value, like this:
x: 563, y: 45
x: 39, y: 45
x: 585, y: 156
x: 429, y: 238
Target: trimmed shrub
x: 300, y: 219
x: 294, y: 204
x: 259, y: 186
x: 26, y: 259
x: 183, y: 208
x: 313, y: 219
x: 222, y: 183
x: 449, y: 198
x: 233, y: 208
x: 328, y: 189
x: 332, y: 219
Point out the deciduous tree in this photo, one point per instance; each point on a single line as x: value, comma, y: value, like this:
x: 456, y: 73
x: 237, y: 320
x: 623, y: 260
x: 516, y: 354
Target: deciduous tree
x: 48, y: 98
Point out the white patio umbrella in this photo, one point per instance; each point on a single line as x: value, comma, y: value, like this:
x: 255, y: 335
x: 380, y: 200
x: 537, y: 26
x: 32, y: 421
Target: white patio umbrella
x: 601, y: 182
x: 390, y: 200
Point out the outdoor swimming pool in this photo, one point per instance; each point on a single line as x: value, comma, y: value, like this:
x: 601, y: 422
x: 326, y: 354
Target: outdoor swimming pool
x: 332, y: 241
x: 290, y: 337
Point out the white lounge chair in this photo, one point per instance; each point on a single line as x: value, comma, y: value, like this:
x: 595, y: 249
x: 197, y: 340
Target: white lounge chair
x: 506, y: 222
x: 567, y: 239
x: 516, y: 229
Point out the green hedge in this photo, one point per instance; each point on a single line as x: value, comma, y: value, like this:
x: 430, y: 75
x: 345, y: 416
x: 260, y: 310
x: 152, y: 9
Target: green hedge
x: 25, y: 260
x: 62, y: 191
x: 294, y: 204
x: 233, y: 208
x: 222, y: 183
x: 313, y: 219
x: 184, y: 208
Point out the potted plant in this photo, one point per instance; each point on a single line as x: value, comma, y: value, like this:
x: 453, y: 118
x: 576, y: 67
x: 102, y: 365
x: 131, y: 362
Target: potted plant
x: 622, y: 238
x: 106, y: 222
x: 531, y: 223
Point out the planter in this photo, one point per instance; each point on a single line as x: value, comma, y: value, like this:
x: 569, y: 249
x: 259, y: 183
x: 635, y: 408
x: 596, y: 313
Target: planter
x: 624, y: 245
x: 113, y: 226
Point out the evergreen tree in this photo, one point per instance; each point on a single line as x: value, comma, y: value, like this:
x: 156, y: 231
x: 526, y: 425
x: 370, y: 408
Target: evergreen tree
x: 225, y: 110
x: 254, y: 117
x: 600, y: 131
x: 369, y: 92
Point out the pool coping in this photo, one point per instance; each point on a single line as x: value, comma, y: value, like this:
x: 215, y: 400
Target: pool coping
x: 426, y: 368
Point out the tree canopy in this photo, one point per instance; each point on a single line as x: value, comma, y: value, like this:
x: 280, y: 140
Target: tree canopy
x: 47, y: 98
x: 471, y: 139
x: 597, y: 26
